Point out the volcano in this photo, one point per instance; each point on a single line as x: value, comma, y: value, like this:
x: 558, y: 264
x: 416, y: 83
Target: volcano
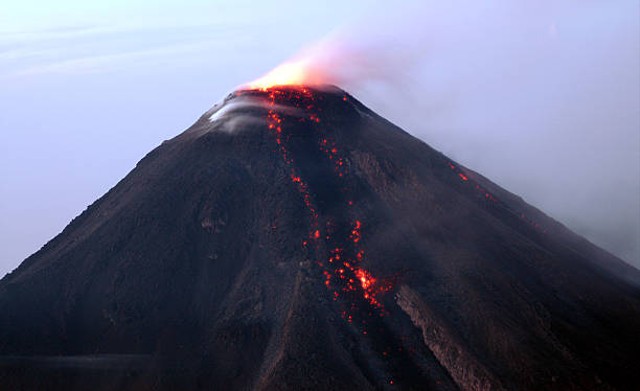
x: 292, y: 239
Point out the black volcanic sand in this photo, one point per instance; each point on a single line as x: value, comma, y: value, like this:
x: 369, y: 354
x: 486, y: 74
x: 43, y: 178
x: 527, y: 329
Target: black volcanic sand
x: 292, y: 239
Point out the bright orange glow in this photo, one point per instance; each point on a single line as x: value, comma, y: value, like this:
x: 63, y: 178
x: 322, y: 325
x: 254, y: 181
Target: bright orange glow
x: 366, y: 280
x: 310, y: 66
x: 294, y: 72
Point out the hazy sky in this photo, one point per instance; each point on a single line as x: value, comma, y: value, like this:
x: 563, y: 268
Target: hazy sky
x: 542, y: 97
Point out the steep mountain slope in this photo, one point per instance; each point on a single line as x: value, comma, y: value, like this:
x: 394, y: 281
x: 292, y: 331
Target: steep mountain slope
x: 293, y: 239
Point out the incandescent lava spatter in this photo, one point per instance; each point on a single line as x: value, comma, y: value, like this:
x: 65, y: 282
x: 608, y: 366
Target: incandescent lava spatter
x: 292, y: 239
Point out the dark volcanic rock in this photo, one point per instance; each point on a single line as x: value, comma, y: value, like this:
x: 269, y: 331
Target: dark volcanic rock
x: 292, y: 239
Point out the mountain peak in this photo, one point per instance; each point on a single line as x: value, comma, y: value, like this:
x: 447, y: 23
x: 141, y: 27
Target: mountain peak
x: 247, y: 108
x: 293, y: 239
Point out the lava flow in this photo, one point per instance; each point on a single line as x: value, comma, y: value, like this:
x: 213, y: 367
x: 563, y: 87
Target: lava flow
x: 343, y: 273
x: 491, y: 198
x: 333, y: 241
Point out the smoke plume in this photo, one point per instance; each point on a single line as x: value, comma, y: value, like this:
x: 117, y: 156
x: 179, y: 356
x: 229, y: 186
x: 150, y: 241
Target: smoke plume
x: 542, y: 97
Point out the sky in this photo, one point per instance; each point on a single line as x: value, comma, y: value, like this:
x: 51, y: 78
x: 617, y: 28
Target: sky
x: 542, y: 97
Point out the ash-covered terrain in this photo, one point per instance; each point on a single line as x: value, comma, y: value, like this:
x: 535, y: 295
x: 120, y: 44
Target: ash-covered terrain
x: 292, y: 239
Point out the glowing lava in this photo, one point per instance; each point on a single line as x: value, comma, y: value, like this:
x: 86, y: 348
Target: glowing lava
x: 343, y: 273
x: 488, y: 196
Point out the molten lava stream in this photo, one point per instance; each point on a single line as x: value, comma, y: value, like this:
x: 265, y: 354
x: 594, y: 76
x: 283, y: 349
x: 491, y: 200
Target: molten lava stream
x: 343, y: 271
x: 354, y: 288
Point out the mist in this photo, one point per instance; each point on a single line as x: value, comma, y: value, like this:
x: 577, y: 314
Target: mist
x: 542, y: 97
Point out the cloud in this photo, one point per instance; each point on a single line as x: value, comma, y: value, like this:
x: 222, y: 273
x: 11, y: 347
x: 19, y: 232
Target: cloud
x: 106, y: 49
